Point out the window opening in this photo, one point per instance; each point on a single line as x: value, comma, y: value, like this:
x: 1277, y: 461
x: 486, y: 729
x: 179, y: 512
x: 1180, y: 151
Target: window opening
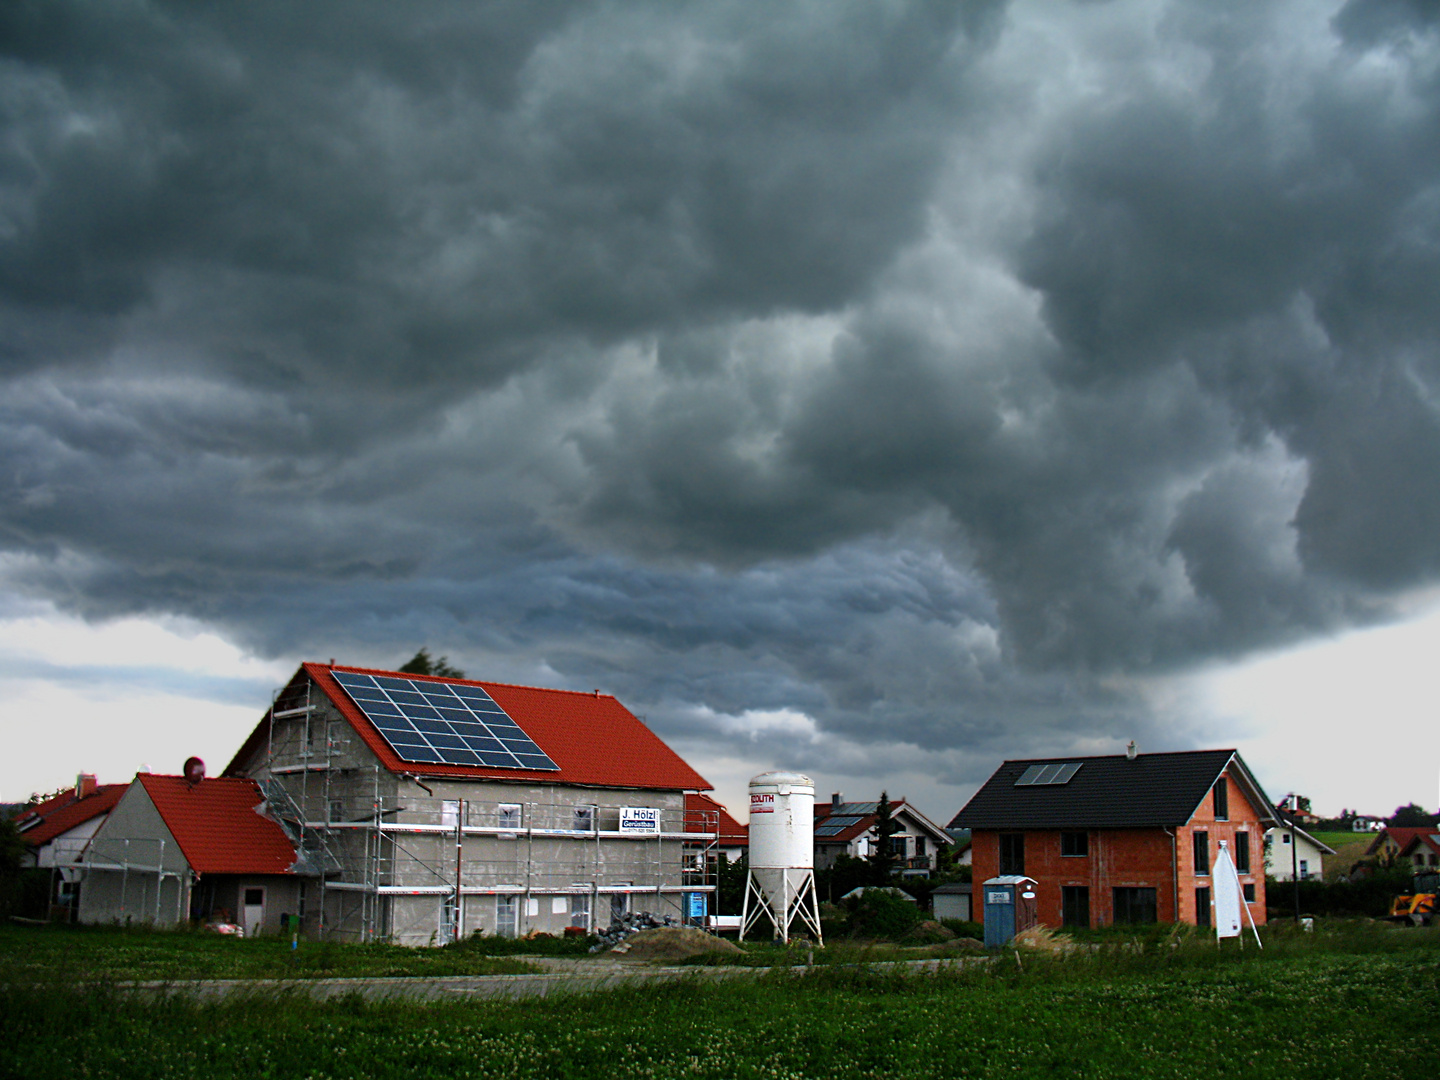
x: 1012, y: 853
x: 1075, y: 905
x: 1074, y: 843
x: 1202, y: 853
x: 1134, y: 906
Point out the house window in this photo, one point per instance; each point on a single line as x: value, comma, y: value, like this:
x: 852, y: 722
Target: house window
x: 1134, y: 905
x: 337, y: 810
x: 1075, y: 905
x: 584, y: 820
x: 1074, y: 843
x: 1222, y: 800
x: 1201, y: 842
x: 450, y: 813
x: 509, y: 816
x: 1304, y: 868
x: 1242, y: 852
x: 920, y: 846
x: 1249, y: 890
x: 1202, y: 906
x: 619, y: 907
x: 1012, y: 853
x: 1285, y: 838
x: 507, y: 916
x: 580, y: 912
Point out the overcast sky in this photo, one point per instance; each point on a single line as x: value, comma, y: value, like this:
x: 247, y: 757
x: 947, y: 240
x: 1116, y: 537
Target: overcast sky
x: 878, y: 390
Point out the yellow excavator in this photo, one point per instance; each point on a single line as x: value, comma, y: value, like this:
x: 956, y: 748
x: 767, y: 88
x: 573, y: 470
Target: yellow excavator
x: 1418, y: 907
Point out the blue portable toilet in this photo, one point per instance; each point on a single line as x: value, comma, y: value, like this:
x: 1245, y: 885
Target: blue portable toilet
x: 1009, y: 908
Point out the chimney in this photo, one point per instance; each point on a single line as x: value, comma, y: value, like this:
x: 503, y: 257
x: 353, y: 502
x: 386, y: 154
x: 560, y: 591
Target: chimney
x: 85, y: 785
x: 835, y: 801
x: 1130, y: 751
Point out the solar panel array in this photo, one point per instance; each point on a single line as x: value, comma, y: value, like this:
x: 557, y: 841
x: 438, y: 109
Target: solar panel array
x: 443, y: 723
x: 834, y: 826
x: 1036, y: 775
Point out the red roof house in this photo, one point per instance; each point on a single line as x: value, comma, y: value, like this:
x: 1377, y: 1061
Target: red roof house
x: 1405, y: 841
x: 848, y: 828
x: 56, y: 830
x: 428, y: 808
x: 174, y: 849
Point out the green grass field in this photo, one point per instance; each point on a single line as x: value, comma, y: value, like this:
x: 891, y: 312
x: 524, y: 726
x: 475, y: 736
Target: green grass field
x: 107, y: 953
x: 1358, y: 1002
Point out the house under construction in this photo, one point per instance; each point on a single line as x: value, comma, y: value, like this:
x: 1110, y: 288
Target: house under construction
x: 425, y: 809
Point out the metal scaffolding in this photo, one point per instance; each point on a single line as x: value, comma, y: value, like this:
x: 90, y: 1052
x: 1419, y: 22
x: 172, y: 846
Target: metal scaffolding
x: 367, y: 842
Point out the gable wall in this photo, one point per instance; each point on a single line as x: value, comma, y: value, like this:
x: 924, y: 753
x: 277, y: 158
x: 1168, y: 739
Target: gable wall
x: 135, y: 835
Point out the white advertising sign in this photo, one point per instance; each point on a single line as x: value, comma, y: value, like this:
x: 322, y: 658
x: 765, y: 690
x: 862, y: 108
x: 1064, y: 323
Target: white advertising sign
x: 1227, y: 895
x: 640, y: 819
x: 762, y: 802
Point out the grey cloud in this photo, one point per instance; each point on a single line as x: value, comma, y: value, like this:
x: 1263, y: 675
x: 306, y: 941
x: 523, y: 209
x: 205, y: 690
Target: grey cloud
x: 932, y: 370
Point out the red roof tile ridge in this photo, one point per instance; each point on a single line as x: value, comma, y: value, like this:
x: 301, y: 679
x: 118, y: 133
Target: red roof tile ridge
x: 464, y: 681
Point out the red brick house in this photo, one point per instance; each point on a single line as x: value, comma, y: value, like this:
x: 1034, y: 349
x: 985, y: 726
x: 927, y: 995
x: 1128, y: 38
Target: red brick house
x: 1122, y: 839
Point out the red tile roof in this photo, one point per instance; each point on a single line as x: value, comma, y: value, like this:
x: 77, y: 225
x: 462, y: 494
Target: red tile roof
x: 217, y: 824
x: 699, y: 806
x: 1428, y: 837
x: 595, y: 740
x: 57, y: 816
x: 1402, y: 835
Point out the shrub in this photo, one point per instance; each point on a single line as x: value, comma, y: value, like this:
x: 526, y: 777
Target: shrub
x: 876, y: 914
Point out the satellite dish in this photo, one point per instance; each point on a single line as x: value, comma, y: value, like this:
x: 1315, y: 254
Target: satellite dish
x: 194, y: 770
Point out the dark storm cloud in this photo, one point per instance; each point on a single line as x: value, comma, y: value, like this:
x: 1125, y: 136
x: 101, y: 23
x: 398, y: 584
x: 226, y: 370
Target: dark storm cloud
x: 935, y: 371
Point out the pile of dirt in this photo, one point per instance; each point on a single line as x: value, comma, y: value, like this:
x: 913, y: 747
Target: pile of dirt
x: 672, y: 943
x: 930, y: 931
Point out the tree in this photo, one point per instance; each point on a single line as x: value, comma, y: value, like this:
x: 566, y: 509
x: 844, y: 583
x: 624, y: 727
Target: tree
x: 883, y: 859
x: 1411, y: 815
x: 422, y: 663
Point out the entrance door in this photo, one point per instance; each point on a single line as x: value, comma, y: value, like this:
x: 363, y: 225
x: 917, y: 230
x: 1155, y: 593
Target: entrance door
x: 252, y: 912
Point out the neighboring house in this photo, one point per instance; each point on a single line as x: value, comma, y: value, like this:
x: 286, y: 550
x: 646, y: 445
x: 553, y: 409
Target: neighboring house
x: 56, y: 831
x: 848, y: 828
x: 1404, y: 841
x: 176, y: 849
x: 1367, y: 824
x: 960, y: 846
x: 429, y: 808
x: 1423, y: 850
x: 953, y: 901
x: 1290, y: 848
x: 706, y: 815
x: 1129, y: 838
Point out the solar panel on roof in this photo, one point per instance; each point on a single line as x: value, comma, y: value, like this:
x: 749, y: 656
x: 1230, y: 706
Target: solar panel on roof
x: 1054, y: 773
x: 441, y: 724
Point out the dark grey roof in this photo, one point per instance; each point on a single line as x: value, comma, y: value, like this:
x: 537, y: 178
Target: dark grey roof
x: 1111, y: 792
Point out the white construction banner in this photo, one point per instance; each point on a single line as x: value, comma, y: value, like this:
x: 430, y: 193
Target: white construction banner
x: 1228, y: 895
x: 640, y: 819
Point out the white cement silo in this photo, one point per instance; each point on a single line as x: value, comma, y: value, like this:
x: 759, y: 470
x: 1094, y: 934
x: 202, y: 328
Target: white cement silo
x: 781, y: 882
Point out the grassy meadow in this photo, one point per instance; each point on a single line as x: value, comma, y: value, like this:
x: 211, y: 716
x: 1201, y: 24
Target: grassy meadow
x: 1357, y: 1000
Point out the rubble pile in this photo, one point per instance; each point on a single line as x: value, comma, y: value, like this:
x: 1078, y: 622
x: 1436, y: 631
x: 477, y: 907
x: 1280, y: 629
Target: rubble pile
x: 631, y: 923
